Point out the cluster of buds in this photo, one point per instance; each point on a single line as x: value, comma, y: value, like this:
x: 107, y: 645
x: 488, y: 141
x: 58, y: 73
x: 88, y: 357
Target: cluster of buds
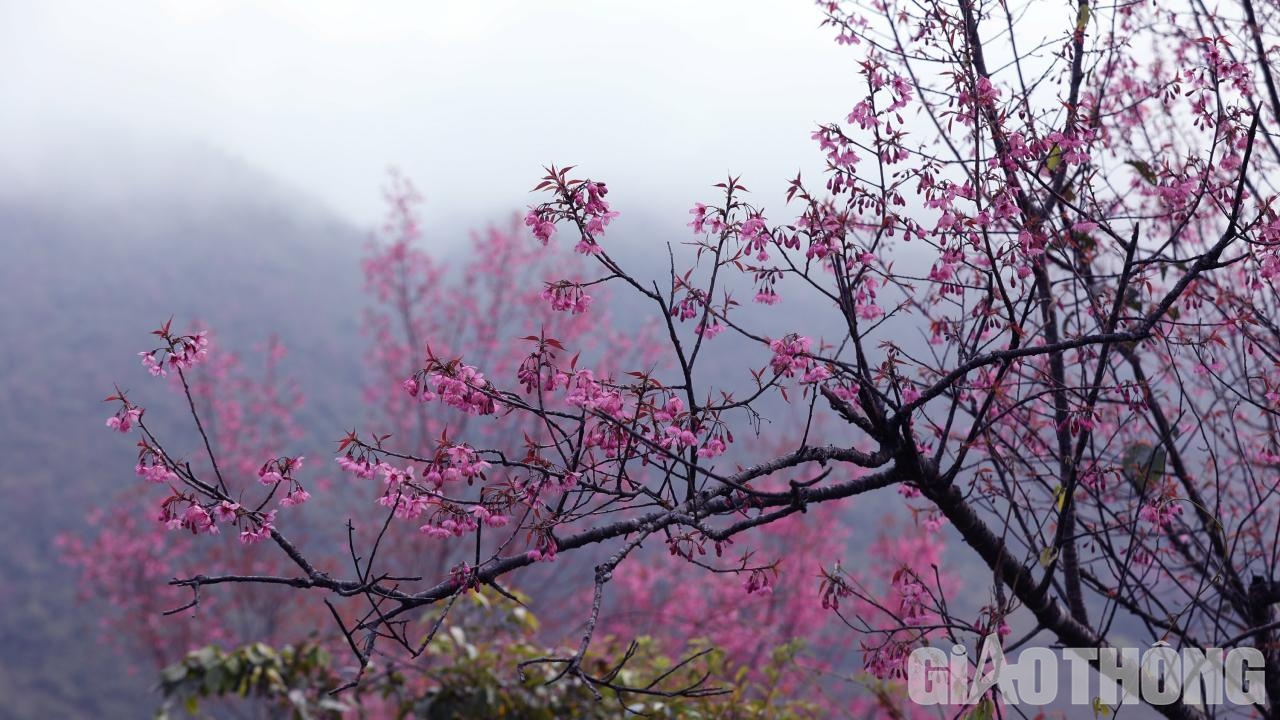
x: 579, y: 201
x: 566, y: 296
x: 178, y: 351
x: 279, y: 472
x: 454, y: 383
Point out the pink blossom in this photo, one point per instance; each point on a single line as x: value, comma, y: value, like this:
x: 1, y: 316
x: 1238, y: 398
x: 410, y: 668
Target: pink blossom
x: 790, y: 355
x: 149, y: 362
x: 816, y: 374
x: 262, y: 532
x: 910, y: 393
x: 295, y: 498
x: 158, y: 473
x: 676, y: 437
x: 197, y: 520
x: 1160, y: 513
x: 226, y: 511
x: 868, y: 310
x: 713, y: 447
x: 863, y: 115
x: 758, y: 581
x: 435, y: 532
x: 124, y: 421
x: 464, y: 388
x: 542, y: 227
x: 566, y: 296
x: 699, y: 213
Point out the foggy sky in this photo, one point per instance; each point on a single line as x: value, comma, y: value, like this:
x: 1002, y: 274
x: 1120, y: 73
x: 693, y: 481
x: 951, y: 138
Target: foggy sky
x: 661, y: 98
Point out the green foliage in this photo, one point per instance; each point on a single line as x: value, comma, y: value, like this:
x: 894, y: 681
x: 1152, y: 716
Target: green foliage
x: 469, y: 670
x: 1144, y: 169
x: 1082, y: 17
x: 284, y: 678
x: 1144, y: 464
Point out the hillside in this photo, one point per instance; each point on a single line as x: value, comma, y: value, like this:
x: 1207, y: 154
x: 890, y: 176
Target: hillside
x: 100, y: 243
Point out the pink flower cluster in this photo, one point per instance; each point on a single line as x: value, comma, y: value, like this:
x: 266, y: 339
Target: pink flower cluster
x: 465, y: 390
x: 362, y: 467
x: 590, y: 198
x: 196, y: 519
x: 579, y: 201
x: 981, y: 94
x: 673, y: 434
x: 226, y: 511
x: 457, y: 522
x: 180, y: 512
x: 538, y: 371
x: 278, y: 471
x: 888, y: 661
x: 913, y: 599
x: 710, y: 329
x: 457, y: 385
x: 464, y: 463
x: 124, y: 419
x: 259, y: 530
x: 702, y: 223
x: 713, y: 447
x: 676, y: 437
x: 453, y: 463
x: 539, y: 221
x: 759, y: 580
x: 182, y: 352
x: 488, y: 517
x: 157, y: 473
x: 586, y: 392
x: 295, y: 498
x: 790, y: 355
x: 754, y: 234
x: 544, y: 549
x: 1161, y: 512
x: 449, y: 527
x: 840, y: 153
x: 566, y: 296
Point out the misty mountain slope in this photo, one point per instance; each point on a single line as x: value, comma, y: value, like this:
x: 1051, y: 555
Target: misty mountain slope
x: 98, y: 249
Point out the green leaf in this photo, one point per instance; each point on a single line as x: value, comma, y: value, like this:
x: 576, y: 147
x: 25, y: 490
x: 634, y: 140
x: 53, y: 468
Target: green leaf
x: 214, y: 680
x: 1082, y: 17
x: 1143, y: 464
x: 173, y: 674
x: 1047, y: 556
x: 206, y: 657
x: 1055, y: 158
x: 984, y: 710
x: 1144, y: 169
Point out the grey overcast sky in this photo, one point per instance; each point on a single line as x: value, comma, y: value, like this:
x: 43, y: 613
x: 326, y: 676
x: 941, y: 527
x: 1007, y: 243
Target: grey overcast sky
x: 660, y: 98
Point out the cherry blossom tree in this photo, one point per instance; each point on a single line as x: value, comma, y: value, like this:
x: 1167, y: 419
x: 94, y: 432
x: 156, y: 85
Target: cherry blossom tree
x: 1038, y: 294
x: 246, y: 416
x: 125, y: 562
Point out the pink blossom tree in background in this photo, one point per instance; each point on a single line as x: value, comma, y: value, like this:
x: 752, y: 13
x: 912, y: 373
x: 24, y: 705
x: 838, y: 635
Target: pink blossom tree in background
x: 245, y: 418
x: 1037, y: 312
x: 124, y: 566
x: 421, y: 306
